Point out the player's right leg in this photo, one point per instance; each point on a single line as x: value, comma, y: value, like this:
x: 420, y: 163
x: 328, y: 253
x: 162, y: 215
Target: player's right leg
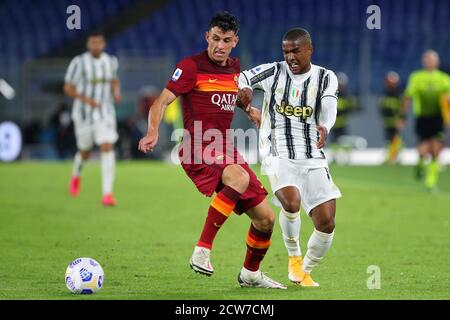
x: 320, y: 241
x: 290, y: 224
x: 422, y: 129
x: 75, y: 180
x: 235, y: 180
x: 423, y: 150
x: 284, y: 181
x: 319, y: 194
x: 85, y: 142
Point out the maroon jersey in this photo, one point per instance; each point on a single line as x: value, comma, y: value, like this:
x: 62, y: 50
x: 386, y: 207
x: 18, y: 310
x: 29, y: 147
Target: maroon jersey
x: 209, y: 93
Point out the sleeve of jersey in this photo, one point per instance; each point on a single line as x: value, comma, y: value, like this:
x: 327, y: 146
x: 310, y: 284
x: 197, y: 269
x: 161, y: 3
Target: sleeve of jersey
x: 330, y: 86
x: 258, y: 77
x: 73, y: 72
x: 184, y: 77
x: 328, y: 112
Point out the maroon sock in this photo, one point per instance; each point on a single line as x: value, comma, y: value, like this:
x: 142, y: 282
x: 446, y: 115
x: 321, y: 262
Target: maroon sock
x: 258, y: 243
x: 220, y: 209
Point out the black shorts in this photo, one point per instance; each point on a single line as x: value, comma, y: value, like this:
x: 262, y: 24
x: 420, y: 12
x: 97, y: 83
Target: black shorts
x: 430, y: 128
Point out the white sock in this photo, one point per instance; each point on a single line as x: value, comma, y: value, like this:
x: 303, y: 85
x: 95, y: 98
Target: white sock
x: 290, y: 227
x: 77, y: 165
x: 108, y: 160
x: 250, y: 275
x: 318, y: 245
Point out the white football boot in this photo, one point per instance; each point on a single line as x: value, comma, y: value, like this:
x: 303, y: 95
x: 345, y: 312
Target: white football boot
x: 257, y: 279
x: 200, y: 262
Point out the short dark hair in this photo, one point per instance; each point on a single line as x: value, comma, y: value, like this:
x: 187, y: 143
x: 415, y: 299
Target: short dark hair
x: 225, y: 21
x: 96, y: 33
x: 297, y: 34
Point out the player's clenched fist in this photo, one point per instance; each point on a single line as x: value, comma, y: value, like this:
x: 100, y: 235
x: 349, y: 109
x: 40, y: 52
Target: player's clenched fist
x: 244, y: 98
x: 255, y: 116
x: 148, y: 142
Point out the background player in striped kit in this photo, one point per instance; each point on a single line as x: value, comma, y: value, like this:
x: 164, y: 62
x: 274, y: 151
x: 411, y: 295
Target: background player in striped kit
x: 92, y: 81
x: 300, y: 105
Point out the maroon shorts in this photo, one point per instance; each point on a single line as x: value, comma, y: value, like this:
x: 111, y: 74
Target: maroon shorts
x: 208, y: 179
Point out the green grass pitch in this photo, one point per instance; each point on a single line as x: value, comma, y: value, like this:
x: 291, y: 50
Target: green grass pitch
x: 385, y: 218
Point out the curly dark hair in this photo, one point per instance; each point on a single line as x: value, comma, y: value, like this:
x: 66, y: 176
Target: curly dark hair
x: 225, y: 21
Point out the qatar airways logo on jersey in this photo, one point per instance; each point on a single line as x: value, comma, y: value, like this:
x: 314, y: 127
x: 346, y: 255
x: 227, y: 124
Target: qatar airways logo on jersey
x: 226, y: 101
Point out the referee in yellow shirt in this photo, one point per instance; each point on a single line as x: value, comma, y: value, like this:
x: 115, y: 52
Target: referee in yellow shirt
x: 428, y: 89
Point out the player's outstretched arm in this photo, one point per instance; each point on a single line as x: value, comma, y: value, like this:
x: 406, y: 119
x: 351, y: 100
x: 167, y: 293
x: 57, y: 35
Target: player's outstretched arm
x: 155, y: 115
x: 244, y: 99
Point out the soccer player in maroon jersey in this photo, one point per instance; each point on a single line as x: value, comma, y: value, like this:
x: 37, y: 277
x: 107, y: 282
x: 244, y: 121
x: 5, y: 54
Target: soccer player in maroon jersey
x: 207, y: 83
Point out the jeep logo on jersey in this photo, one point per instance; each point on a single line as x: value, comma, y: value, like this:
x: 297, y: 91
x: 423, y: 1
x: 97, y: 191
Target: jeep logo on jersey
x: 303, y: 112
x: 226, y: 101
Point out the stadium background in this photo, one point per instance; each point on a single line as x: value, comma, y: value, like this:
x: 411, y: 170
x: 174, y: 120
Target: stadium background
x: 149, y: 37
x: 385, y: 217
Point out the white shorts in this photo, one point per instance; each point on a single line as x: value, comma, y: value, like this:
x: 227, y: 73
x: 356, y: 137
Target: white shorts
x: 314, y: 183
x: 98, y: 132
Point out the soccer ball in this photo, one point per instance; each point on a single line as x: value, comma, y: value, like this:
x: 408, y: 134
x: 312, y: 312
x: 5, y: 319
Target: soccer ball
x: 85, y: 276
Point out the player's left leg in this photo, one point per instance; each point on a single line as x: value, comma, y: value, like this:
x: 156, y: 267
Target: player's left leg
x: 319, y: 195
x: 433, y: 169
x: 108, y: 160
x: 105, y: 134
x: 436, y: 134
x: 321, y: 238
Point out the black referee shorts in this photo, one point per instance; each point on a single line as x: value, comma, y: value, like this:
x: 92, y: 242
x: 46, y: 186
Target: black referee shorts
x: 430, y: 128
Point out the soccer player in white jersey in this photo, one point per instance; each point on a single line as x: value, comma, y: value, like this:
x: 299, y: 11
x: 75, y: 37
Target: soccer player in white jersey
x: 92, y: 81
x: 299, y: 109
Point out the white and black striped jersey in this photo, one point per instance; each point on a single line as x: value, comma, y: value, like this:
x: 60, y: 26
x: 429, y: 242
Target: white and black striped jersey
x: 92, y: 78
x: 291, y: 109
